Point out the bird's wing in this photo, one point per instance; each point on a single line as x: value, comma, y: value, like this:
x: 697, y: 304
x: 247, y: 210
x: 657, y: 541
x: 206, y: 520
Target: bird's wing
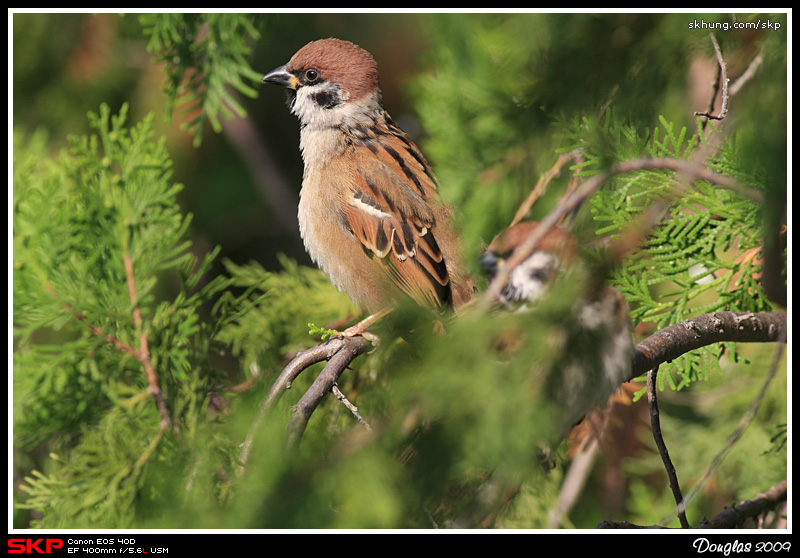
x: 391, y: 213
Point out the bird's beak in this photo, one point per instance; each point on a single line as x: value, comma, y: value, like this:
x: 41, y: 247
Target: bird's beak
x: 491, y: 262
x: 280, y: 76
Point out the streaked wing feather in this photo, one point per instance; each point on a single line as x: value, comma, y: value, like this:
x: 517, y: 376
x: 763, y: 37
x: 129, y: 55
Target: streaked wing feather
x: 389, y: 214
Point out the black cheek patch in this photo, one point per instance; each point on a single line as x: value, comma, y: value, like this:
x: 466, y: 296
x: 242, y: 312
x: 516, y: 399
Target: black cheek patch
x: 327, y: 99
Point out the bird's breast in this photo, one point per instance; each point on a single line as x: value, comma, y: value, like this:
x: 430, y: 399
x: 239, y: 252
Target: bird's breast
x: 320, y: 147
x: 329, y: 240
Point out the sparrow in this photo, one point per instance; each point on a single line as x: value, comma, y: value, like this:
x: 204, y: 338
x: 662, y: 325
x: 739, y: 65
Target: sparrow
x: 369, y: 213
x: 594, y: 344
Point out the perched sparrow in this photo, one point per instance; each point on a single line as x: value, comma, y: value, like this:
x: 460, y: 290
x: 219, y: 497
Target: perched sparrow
x: 595, y: 345
x: 369, y: 211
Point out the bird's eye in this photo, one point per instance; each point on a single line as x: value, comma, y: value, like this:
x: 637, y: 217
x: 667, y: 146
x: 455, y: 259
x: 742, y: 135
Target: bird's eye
x: 312, y: 75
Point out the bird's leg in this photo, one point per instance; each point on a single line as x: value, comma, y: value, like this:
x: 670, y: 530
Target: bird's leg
x: 361, y: 327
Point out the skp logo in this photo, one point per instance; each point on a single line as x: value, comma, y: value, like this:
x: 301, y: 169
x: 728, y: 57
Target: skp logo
x: 29, y: 546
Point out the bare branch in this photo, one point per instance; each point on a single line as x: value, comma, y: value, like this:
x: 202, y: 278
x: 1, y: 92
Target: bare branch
x: 733, y: 517
x: 346, y: 348
x: 605, y: 524
x: 337, y: 364
x: 675, y: 340
x: 728, y: 518
x: 680, y: 338
x: 693, y: 171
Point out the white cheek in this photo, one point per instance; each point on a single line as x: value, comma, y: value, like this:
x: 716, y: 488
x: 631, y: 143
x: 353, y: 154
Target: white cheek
x: 532, y: 276
x: 324, y: 130
x: 308, y: 110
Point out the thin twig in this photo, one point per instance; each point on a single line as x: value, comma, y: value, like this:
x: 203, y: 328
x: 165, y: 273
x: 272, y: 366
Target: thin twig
x: 655, y: 424
x: 748, y: 74
x: 723, y: 81
x: 352, y: 408
x: 574, y: 481
x: 143, y: 358
x: 541, y: 186
x: 673, y: 341
x: 144, y: 350
x: 692, y: 171
x: 606, y: 524
x: 107, y: 337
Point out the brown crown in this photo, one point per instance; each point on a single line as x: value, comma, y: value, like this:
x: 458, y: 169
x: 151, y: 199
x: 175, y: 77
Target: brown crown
x: 342, y: 62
